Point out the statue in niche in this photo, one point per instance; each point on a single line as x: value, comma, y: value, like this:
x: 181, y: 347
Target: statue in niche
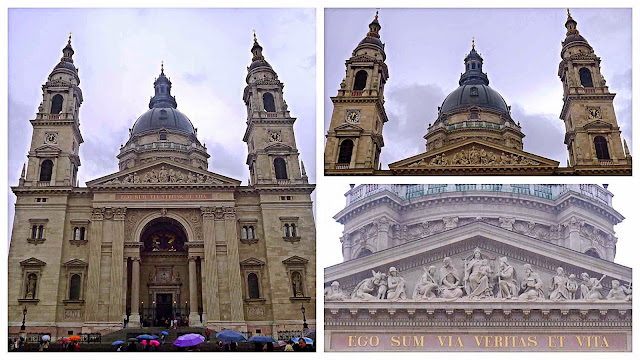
x: 32, y: 281
x: 365, y: 288
x: 334, y: 293
x: 426, y: 287
x: 296, y: 283
x: 450, y: 285
x: 572, y: 286
x: 618, y: 292
x: 558, y: 287
x: 531, y: 285
x: 507, y: 283
x: 176, y: 276
x: 382, y: 285
x: 590, y: 287
x: 395, y: 285
x: 476, y: 276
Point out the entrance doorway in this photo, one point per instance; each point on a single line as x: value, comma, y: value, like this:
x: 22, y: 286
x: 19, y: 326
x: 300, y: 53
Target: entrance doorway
x: 164, y: 307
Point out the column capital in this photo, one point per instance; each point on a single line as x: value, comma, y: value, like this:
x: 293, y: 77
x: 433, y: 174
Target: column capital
x: 192, y: 258
x: 97, y: 214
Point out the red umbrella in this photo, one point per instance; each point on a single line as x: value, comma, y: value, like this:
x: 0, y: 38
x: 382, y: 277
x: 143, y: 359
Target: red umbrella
x: 63, y: 340
x: 154, y: 343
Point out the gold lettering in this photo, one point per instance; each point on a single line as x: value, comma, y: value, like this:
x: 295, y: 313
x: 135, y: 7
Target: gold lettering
x: 561, y: 340
x: 459, y: 342
x: 418, y: 341
x: 395, y: 342
x: 441, y: 340
x: 351, y: 342
x: 404, y: 342
x: 604, y: 340
x: 532, y: 341
x: 522, y: 342
x: 552, y: 343
x: 478, y: 338
x: 579, y: 338
x: 487, y: 341
x: 498, y: 341
x: 360, y: 343
x: 374, y: 341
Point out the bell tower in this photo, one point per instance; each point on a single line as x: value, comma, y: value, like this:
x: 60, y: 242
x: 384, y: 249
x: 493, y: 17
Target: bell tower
x: 55, y: 143
x: 593, y: 137
x: 273, y: 156
x: 354, y: 139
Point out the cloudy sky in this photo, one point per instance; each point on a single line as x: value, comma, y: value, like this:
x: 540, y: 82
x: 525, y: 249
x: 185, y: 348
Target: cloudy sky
x: 118, y: 52
x: 625, y: 197
x: 521, y: 49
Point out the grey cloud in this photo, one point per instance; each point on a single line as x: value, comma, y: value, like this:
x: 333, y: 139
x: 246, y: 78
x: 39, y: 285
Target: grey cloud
x: 195, y: 78
x: 544, y: 134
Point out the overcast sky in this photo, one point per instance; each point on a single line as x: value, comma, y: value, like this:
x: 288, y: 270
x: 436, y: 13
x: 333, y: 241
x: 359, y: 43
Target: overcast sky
x: 521, y: 49
x: 625, y: 197
x: 118, y: 52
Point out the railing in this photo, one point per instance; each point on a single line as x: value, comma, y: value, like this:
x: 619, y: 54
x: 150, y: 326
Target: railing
x: 283, y: 181
x: 272, y: 114
x: 35, y: 337
x: 342, y: 166
x: 356, y: 93
x: 605, y: 162
x: 43, y: 183
x: 474, y: 124
x: 288, y: 334
x: 90, y: 337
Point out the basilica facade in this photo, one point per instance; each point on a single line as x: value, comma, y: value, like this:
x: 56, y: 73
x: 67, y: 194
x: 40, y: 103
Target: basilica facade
x: 478, y: 267
x: 474, y: 133
x: 164, y: 237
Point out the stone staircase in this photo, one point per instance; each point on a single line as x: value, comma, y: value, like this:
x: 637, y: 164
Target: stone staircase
x: 124, y: 334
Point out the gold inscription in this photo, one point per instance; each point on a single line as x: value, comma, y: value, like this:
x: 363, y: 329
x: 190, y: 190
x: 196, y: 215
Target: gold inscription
x: 155, y: 197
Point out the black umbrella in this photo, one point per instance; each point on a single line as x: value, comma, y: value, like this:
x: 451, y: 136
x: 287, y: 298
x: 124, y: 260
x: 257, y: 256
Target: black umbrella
x: 132, y: 340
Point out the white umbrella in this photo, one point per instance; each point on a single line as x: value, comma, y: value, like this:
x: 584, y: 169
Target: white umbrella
x: 46, y: 338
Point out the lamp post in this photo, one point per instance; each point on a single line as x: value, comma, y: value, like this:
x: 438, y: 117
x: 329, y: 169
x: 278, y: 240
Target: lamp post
x: 305, y: 327
x: 24, y: 317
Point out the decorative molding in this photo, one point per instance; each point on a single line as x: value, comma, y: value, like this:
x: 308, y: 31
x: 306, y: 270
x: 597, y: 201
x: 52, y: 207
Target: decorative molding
x: 291, y: 239
x: 35, y: 241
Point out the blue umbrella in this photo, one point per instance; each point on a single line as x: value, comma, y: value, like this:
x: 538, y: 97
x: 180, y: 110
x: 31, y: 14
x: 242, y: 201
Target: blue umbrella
x: 262, y: 339
x: 306, y: 339
x: 155, y: 337
x: 117, y: 342
x: 230, y: 336
x: 164, y: 333
x: 145, y: 337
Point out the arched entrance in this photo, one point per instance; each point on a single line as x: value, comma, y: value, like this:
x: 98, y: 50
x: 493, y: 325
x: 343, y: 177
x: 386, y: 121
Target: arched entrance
x: 164, y: 285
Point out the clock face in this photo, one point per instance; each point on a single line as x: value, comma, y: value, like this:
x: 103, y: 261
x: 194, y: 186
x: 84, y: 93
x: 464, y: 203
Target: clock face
x: 353, y: 117
x: 594, y: 113
x: 51, y: 138
x: 275, y: 136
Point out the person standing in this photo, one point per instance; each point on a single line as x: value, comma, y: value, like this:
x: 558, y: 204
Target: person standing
x: 208, y: 334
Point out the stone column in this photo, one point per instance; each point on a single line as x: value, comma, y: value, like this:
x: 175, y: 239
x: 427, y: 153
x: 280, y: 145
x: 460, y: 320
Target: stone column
x: 194, y: 318
x: 574, y: 234
x: 210, y: 269
x: 233, y: 261
x: 134, y: 319
x: 383, y: 233
x: 354, y: 153
x: 117, y: 259
x: 93, y: 271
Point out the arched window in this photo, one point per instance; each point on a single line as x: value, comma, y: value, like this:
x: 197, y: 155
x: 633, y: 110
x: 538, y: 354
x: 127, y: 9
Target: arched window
x: 363, y: 253
x: 56, y: 104
x: 76, y: 234
x: 40, y: 231
x: 473, y: 65
x: 244, y: 232
x: 250, y: 233
x: 46, y: 168
x: 82, y: 233
x: 281, y: 168
x: 585, y: 77
x: 287, y: 232
x: 361, y: 80
x: 293, y: 230
x: 593, y: 253
x: 163, y: 135
x: 74, y: 287
x: 346, y: 149
x: 34, y: 231
x: 267, y: 101
x: 254, y: 287
x: 602, y: 150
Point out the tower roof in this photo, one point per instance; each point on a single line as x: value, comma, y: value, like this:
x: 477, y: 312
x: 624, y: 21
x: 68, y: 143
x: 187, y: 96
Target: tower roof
x: 373, y: 36
x: 573, y: 35
x: 258, y: 59
x: 66, y: 61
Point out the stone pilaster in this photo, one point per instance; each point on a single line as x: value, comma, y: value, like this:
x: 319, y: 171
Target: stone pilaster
x: 233, y: 258
x: 117, y: 259
x: 383, y: 233
x: 574, y: 234
x: 210, y: 271
x: 194, y: 318
x: 93, y: 271
x: 134, y: 319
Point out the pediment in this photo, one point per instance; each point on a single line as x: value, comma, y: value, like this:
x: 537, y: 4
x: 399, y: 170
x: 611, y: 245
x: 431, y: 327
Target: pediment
x: 362, y: 58
x: 252, y: 262
x: 598, y: 124
x: 474, y: 153
x: 277, y: 147
x: 33, y: 262
x: 161, y: 173
x: 348, y: 128
x: 494, y: 242
x: 295, y: 260
x: 76, y: 263
x: 47, y: 149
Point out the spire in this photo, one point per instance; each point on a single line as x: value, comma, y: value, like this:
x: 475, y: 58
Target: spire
x: 374, y: 27
x: 473, y: 62
x: 23, y: 169
x: 162, y: 67
x: 67, y: 52
x: 256, y: 50
x: 571, y: 25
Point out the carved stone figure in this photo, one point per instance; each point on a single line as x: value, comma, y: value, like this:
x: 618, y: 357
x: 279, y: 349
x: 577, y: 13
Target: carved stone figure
x: 32, y: 281
x: 558, y: 286
x: 590, y: 287
x: 476, y: 280
x: 334, y: 293
x: 365, y: 288
x: 572, y: 286
x: 507, y: 283
x: 381, y: 283
x: 426, y: 287
x: 484, y: 288
x: 531, y: 285
x: 176, y: 276
x: 396, y: 285
x: 296, y: 284
x: 618, y: 292
x: 450, y: 285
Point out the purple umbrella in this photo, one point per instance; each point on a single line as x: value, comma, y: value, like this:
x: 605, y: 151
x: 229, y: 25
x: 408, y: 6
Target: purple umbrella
x: 189, y: 340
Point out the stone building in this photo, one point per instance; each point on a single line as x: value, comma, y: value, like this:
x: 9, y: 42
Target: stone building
x: 478, y: 267
x: 164, y: 236
x: 474, y: 133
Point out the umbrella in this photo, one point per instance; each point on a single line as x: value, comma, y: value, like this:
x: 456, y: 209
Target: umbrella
x: 74, y: 337
x: 46, y: 338
x: 63, y: 340
x: 164, y: 333
x: 262, y: 339
x: 189, y: 340
x: 230, y: 336
x: 155, y: 337
x: 132, y: 340
x: 306, y: 339
x: 143, y: 342
x: 154, y: 343
x: 118, y: 342
x: 282, y: 343
x: 145, y: 337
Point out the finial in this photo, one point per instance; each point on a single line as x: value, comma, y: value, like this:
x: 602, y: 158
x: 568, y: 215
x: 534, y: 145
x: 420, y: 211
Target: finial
x: 69, y: 42
x: 568, y: 14
x: 255, y: 39
x: 162, y: 66
x: 376, y: 18
x: 473, y: 42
